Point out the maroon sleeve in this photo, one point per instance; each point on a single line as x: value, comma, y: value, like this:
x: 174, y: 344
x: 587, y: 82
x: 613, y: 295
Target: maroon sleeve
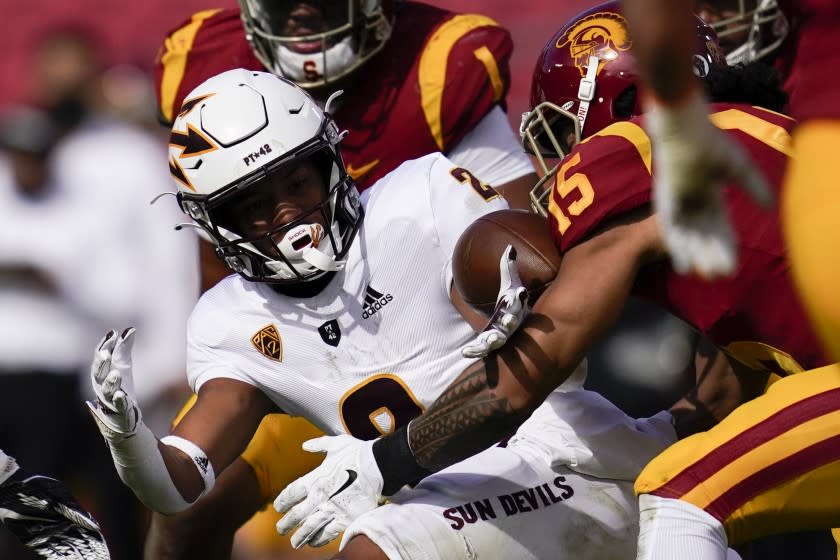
x: 463, y: 72
x: 602, y: 178
x: 816, y: 81
x: 210, y: 42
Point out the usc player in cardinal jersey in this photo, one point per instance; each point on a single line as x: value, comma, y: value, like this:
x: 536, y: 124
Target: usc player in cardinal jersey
x: 810, y: 201
x: 416, y: 80
x: 764, y: 468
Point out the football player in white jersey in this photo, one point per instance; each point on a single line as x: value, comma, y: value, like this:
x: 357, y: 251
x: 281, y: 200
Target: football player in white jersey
x: 342, y: 312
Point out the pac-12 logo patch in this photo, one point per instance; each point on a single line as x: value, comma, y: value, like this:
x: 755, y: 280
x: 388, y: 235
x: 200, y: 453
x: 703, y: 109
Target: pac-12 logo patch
x: 267, y: 340
x: 330, y: 332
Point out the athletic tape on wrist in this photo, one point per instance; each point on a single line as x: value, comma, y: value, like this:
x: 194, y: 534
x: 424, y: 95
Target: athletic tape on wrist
x: 199, y: 459
x: 396, y: 462
x: 140, y: 465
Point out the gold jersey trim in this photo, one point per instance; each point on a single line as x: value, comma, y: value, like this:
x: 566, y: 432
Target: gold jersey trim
x: 176, y: 49
x: 433, y: 63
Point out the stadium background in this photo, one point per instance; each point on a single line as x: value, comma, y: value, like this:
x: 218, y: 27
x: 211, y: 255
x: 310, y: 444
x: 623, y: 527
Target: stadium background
x: 133, y: 31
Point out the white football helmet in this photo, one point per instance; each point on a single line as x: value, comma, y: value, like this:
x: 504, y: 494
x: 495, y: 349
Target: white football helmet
x: 315, y: 42
x: 748, y: 30
x: 237, y: 150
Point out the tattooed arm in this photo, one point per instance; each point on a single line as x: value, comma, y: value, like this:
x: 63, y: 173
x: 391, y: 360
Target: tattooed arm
x: 494, y: 396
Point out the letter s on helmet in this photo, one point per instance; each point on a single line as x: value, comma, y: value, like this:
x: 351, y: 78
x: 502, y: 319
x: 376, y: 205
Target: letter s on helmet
x: 586, y: 79
x: 235, y: 133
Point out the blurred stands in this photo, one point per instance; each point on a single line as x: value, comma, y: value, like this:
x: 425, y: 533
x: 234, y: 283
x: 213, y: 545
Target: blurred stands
x: 133, y: 32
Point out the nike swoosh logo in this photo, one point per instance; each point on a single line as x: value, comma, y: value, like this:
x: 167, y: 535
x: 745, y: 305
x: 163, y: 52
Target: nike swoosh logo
x: 351, y: 478
x: 362, y: 170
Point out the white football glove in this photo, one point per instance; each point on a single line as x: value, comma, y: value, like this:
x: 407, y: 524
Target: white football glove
x: 115, y: 410
x: 347, y: 484
x: 511, y: 309
x: 692, y: 157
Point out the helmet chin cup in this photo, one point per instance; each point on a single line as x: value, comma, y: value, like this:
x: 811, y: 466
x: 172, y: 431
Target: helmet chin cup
x: 300, y: 237
x: 307, y: 249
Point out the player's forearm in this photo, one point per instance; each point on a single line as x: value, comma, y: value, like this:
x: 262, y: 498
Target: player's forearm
x: 472, y: 414
x: 663, y: 39
x: 165, y: 478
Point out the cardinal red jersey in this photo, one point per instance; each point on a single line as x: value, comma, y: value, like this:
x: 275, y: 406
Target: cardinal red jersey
x: 813, y: 82
x: 436, y: 78
x: 755, y: 314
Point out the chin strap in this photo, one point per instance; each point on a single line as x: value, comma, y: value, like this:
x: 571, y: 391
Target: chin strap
x: 586, y: 89
x: 321, y: 260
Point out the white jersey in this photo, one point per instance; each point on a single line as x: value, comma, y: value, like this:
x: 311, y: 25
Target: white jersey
x: 382, y: 340
x: 561, y: 489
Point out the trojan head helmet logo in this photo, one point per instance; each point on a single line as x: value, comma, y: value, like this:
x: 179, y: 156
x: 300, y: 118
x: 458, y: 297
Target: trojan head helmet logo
x: 602, y: 35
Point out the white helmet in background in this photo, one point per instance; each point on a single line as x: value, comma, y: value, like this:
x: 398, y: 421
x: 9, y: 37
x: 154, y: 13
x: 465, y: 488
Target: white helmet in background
x: 316, y: 42
x: 237, y: 150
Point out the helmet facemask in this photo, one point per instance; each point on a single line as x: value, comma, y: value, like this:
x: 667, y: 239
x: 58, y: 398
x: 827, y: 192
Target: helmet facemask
x: 290, y: 221
x: 586, y: 80
x: 748, y: 30
x: 315, y: 42
x: 548, y: 131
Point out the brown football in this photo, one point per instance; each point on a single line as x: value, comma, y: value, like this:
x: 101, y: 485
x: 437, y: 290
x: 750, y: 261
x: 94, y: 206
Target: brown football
x: 475, y: 261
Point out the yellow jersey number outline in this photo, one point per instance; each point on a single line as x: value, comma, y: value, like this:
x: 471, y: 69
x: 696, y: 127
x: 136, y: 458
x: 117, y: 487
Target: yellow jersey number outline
x: 769, y: 134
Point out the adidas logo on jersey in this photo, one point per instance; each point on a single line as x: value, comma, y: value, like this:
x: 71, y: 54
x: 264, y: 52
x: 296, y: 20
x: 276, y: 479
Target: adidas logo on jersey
x: 374, y: 301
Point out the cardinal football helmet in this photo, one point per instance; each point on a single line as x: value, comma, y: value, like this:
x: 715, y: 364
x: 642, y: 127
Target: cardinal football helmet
x: 748, y: 30
x: 316, y: 42
x: 235, y: 152
x: 586, y: 79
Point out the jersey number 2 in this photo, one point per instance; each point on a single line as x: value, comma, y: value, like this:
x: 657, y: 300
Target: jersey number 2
x: 484, y: 190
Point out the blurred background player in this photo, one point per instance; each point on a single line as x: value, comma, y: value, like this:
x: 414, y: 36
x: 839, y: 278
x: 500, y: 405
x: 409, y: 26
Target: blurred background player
x: 763, y: 454
x: 417, y: 79
x: 810, y: 205
x: 80, y: 247
x: 440, y: 85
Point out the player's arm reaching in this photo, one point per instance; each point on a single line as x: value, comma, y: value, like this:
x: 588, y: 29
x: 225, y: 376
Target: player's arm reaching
x: 170, y: 474
x: 492, y: 397
x: 691, y: 156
